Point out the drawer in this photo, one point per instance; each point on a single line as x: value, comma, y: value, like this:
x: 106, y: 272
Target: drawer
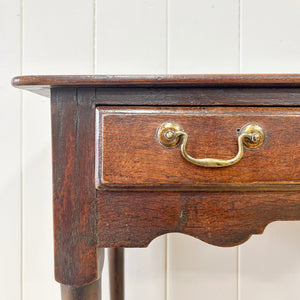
x: 130, y: 155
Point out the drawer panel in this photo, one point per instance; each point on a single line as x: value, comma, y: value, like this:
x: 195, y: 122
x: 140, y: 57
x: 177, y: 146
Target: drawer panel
x: 129, y: 155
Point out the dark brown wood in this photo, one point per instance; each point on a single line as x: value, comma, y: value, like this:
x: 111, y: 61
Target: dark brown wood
x: 42, y: 84
x: 87, y: 292
x: 134, y: 219
x: 74, y: 205
x: 116, y: 273
x: 196, y: 96
x: 130, y: 155
x: 264, y: 185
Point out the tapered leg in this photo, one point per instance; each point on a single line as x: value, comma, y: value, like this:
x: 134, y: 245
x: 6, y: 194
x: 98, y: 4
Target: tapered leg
x: 87, y: 292
x: 116, y: 273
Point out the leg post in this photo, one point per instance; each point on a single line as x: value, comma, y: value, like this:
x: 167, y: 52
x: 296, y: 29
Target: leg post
x: 90, y: 291
x: 87, y: 292
x: 116, y: 273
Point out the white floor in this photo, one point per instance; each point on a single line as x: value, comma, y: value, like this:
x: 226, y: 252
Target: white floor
x: 135, y: 37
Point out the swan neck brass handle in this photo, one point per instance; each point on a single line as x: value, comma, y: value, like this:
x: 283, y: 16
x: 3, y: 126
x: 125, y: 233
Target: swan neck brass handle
x: 171, y: 134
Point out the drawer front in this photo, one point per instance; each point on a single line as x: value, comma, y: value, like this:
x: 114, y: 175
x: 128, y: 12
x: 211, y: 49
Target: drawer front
x: 130, y: 156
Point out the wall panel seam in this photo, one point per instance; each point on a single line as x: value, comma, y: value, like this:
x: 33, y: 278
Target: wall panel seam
x: 238, y: 273
x: 240, y: 35
x: 167, y: 36
x: 167, y: 71
x: 94, y: 35
x: 240, y: 70
x: 21, y: 49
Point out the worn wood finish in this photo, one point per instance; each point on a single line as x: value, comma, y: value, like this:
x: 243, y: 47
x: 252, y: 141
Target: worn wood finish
x: 116, y: 273
x: 130, y: 155
x: 87, y: 292
x: 134, y: 219
x: 75, y: 210
x: 42, y: 84
x: 264, y: 184
x: 221, y: 96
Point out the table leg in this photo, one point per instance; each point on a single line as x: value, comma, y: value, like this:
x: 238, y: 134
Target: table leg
x: 116, y: 273
x: 87, y: 292
x: 90, y: 291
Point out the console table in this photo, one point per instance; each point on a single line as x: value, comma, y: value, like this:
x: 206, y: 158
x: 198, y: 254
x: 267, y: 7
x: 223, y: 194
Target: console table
x: 135, y: 157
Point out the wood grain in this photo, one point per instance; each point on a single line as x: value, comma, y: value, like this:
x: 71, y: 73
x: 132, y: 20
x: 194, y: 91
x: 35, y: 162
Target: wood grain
x: 116, y: 273
x: 270, y: 264
x: 131, y: 157
x: 174, y: 96
x: 75, y: 211
x: 134, y: 219
x: 42, y: 84
x: 87, y: 292
x: 86, y: 220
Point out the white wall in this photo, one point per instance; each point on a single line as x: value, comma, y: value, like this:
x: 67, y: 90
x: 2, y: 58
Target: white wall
x: 131, y: 37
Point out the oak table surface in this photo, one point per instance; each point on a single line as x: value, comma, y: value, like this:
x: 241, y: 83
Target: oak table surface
x: 108, y: 191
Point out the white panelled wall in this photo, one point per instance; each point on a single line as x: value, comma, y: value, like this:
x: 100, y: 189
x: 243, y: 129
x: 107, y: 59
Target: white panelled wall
x: 135, y: 37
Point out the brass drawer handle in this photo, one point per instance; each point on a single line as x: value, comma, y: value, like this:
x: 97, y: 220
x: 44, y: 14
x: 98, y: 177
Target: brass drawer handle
x: 170, y: 135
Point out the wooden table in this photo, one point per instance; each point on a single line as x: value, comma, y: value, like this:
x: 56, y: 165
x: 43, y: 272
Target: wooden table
x: 130, y: 164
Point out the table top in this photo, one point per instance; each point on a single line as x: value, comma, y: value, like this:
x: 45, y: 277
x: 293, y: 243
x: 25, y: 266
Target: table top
x: 41, y: 84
